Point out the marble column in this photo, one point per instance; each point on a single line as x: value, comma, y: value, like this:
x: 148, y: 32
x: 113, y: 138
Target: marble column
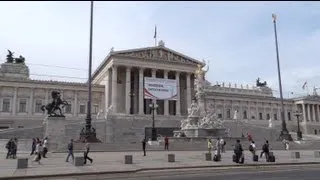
x: 178, y: 111
x: 14, y: 101
x: 128, y: 90
x: 114, y: 88
x: 166, y: 102
x: 308, y: 111
x: 304, y: 112
x: 75, y: 103
x: 189, y: 90
x: 141, y: 103
x: 46, y: 98
x: 153, y: 74
x: 106, y: 89
x: 313, y: 112
x: 30, y: 104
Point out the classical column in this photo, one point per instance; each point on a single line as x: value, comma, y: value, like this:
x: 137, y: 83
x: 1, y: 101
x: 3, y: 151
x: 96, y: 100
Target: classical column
x: 178, y: 111
x: 308, y: 111
x: 313, y: 112
x: 14, y: 101
x: 30, y: 105
x: 189, y: 91
x: 153, y: 73
x: 128, y: 90
x: 166, y: 102
x: 114, y: 88
x: 141, y: 103
x: 304, y: 112
x: 46, y: 98
x: 75, y: 103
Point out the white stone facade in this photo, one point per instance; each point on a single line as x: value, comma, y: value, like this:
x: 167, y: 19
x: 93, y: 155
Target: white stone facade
x: 118, y: 82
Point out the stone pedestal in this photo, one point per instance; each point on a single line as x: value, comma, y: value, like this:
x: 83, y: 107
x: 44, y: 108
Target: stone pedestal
x: 55, y: 131
x: 200, y: 132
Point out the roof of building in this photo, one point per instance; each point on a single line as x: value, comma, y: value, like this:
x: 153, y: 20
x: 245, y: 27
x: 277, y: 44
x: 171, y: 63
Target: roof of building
x: 162, y: 47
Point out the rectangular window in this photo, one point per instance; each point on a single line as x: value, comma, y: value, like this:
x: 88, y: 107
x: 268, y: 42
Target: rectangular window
x: 23, y: 105
x: 275, y: 117
x: 228, y: 114
x: 82, y: 109
x: 6, y: 105
x: 245, y: 115
x: 38, y: 106
x: 268, y: 116
x: 95, y: 109
x: 260, y: 116
x: 289, y: 116
x: 68, y: 108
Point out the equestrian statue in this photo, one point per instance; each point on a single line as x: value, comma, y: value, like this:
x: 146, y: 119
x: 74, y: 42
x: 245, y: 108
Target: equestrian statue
x: 260, y: 84
x: 53, y: 108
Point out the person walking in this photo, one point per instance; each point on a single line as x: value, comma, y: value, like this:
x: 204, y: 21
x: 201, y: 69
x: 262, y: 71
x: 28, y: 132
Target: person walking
x: 9, y: 148
x: 144, y: 142
x: 238, y: 152
x: 209, y: 145
x: 70, y: 151
x: 33, y: 146
x: 38, y: 153
x: 86, y: 153
x: 45, y: 147
x: 223, y: 144
x: 252, y: 148
x: 265, y: 150
x: 166, y: 143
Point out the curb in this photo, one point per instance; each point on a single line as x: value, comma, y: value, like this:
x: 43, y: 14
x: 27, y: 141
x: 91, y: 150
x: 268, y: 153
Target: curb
x: 155, y: 169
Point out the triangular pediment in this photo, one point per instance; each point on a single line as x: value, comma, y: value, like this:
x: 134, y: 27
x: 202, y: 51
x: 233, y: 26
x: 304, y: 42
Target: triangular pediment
x: 159, y: 54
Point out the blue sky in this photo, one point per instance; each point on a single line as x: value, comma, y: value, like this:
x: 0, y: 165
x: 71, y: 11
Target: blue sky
x: 236, y: 37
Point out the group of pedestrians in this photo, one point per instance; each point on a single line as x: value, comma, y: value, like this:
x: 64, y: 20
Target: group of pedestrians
x: 239, y: 155
x: 12, y: 147
x: 39, y: 149
x: 219, y: 148
x: 86, y: 151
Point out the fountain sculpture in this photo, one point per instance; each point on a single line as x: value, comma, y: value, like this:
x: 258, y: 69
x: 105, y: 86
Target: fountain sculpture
x: 201, y: 121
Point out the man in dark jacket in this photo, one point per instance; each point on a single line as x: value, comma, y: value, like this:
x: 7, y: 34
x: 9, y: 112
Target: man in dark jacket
x: 9, y: 148
x: 144, y: 142
x: 265, y: 150
x: 70, y: 151
x: 238, y: 150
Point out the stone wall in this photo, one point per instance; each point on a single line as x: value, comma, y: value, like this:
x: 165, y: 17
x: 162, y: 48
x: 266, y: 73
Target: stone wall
x: 23, y: 133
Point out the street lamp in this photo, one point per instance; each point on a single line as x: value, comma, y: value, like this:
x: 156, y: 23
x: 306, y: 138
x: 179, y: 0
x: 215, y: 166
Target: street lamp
x: 89, y: 133
x: 153, y: 107
x: 284, y: 131
x: 299, y: 133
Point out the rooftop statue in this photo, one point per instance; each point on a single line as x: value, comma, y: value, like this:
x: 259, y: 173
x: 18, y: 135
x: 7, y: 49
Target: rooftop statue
x: 10, y: 58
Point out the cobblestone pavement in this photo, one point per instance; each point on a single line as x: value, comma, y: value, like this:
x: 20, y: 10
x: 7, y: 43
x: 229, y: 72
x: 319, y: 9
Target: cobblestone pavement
x: 114, y: 161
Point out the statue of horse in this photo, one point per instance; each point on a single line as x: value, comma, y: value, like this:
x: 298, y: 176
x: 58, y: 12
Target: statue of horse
x: 54, y: 106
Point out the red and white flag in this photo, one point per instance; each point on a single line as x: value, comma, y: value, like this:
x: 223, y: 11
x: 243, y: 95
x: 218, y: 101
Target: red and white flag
x: 304, y: 85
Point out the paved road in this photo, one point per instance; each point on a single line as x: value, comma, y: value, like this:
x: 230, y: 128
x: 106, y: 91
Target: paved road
x: 306, y: 172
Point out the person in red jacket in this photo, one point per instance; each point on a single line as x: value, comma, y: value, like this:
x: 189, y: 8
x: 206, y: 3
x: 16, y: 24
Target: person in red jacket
x: 166, y: 143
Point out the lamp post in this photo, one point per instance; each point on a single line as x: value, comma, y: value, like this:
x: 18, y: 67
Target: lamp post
x: 153, y: 107
x: 284, y: 131
x: 89, y: 133
x: 299, y: 133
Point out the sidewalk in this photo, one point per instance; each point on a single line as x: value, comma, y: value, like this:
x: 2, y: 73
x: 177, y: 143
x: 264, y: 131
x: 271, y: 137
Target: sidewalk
x: 114, y: 162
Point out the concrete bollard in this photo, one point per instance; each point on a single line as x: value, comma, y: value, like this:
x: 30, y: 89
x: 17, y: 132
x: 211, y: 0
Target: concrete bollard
x: 78, y: 161
x: 22, y: 163
x: 208, y: 157
x: 171, y: 158
x: 128, y: 159
x: 295, y: 155
x: 317, y: 154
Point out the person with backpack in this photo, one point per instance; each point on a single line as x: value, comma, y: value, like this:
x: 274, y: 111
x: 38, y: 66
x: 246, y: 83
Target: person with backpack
x: 209, y: 145
x: 252, y: 148
x: 265, y: 150
x: 223, y: 144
